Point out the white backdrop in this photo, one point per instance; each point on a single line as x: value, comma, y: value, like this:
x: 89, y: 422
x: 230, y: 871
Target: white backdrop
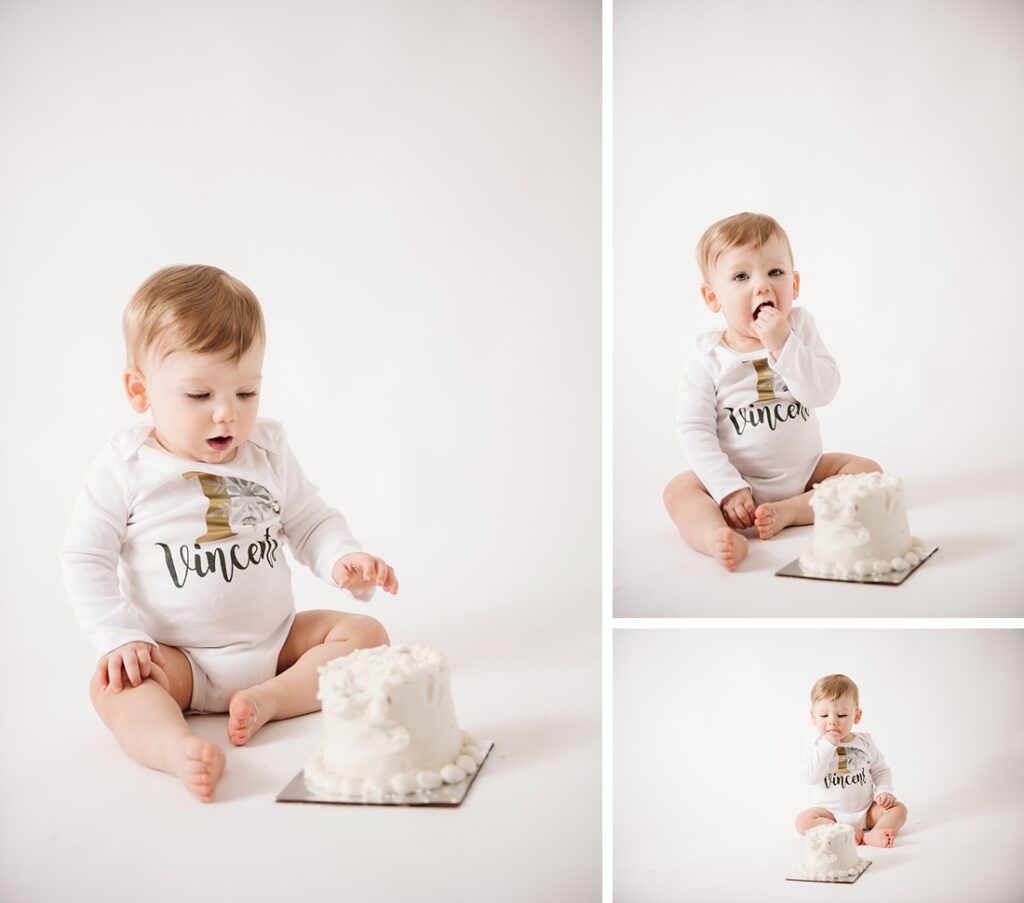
x: 710, y: 725
x: 413, y: 192
x: 886, y: 138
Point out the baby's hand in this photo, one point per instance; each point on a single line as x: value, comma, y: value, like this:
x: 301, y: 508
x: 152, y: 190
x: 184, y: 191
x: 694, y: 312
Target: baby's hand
x: 357, y: 570
x: 885, y: 800
x: 134, y: 661
x: 738, y: 509
x: 772, y: 328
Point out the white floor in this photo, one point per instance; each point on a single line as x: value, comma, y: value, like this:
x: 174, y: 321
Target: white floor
x: 81, y: 821
x: 709, y: 727
x: 972, y: 516
x: 937, y: 858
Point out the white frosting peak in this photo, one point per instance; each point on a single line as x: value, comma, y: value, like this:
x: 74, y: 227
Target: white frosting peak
x: 830, y: 852
x: 860, y: 527
x: 389, y: 724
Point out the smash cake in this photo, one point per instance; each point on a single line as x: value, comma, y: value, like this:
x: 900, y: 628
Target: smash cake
x: 830, y: 853
x: 860, y: 528
x: 389, y: 726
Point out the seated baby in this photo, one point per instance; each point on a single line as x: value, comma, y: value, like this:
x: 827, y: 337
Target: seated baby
x: 745, y: 411
x: 852, y: 782
x: 174, y: 559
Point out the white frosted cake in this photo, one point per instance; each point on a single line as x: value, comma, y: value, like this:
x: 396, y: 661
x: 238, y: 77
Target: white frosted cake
x: 389, y: 725
x: 830, y: 853
x: 860, y: 527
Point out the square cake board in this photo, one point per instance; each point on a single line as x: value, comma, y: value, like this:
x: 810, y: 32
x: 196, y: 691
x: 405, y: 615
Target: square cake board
x: 894, y: 578
x: 834, y: 880
x: 298, y: 791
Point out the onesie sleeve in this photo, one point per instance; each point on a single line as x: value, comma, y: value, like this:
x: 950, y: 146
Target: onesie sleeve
x: 805, y: 364
x: 819, y: 756
x: 90, y: 555
x: 317, y: 534
x: 697, y: 429
x: 881, y: 773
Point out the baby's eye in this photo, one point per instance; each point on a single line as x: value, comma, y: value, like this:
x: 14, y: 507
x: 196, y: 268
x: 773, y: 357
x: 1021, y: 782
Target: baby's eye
x: 776, y: 272
x: 198, y: 396
x: 246, y: 394
x: 740, y: 277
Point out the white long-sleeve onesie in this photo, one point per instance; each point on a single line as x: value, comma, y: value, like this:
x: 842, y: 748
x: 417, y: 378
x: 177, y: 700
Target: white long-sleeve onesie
x: 846, y: 778
x: 746, y: 419
x: 200, y: 546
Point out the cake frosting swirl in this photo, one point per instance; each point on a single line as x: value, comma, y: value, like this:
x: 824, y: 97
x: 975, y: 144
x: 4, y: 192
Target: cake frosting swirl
x: 860, y: 528
x: 830, y: 853
x: 389, y: 725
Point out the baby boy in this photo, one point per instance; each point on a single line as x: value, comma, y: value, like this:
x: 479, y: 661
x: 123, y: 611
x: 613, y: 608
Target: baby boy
x: 193, y: 509
x: 852, y: 784
x: 745, y: 412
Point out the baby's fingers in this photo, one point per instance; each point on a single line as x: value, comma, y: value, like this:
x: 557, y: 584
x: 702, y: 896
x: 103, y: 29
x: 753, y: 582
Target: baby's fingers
x: 131, y: 667
x: 145, y: 662
x: 748, y: 507
x: 114, y: 682
x: 390, y: 584
x: 160, y: 676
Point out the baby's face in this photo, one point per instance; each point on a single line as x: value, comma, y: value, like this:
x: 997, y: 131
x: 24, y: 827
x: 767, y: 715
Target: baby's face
x: 835, y: 717
x: 204, y: 405
x: 743, y: 280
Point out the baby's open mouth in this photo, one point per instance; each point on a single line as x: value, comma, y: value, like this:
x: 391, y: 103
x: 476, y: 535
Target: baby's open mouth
x: 219, y: 443
x: 757, y: 309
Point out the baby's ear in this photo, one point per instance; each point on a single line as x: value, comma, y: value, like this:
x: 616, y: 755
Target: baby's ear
x: 135, y: 389
x: 856, y: 717
x: 796, y: 285
x: 710, y: 298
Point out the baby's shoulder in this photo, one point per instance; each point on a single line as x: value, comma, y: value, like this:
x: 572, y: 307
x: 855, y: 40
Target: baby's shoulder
x: 706, y: 342
x: 269, y: 435
x: 125, y: 442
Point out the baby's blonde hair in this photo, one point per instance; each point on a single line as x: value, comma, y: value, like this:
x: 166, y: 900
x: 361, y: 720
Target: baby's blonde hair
x: 742, y: 230
x: 835, y: 686
x: 195, y: 308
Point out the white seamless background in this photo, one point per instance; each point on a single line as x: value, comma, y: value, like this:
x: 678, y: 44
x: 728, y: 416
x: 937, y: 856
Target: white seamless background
x: 413, y: 192
x: 709, y: 726
x: 886, y: 138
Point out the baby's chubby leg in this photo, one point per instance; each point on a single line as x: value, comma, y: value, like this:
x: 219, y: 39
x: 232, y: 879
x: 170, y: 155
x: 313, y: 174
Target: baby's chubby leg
x: 145, y: 715
x: 316, y: 637
x: 883, y: 823
x: 811, y: 818
x: 772, y: 517
x: 701, y: 523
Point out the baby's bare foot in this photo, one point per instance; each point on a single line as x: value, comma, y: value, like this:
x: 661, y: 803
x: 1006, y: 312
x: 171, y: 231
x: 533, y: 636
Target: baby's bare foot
x: 248, y: 711
x: 772, y: 517
x: 880, y: 837
x: 727, y: 547
x: 858, y: 836
x: 199, y: 763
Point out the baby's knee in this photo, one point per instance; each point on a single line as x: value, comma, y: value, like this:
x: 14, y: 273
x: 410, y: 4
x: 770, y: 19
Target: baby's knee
x: 679, y: 487
x: 362, y: 631
x: 870, y: 466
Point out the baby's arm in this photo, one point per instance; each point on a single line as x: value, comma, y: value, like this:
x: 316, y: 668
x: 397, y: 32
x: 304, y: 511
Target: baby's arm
x: 881, y: 777
x: 90, y: 555
x: 805, y: 364
x: 320, y: 538
x: 818, y: 757
x: 697, y: 428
